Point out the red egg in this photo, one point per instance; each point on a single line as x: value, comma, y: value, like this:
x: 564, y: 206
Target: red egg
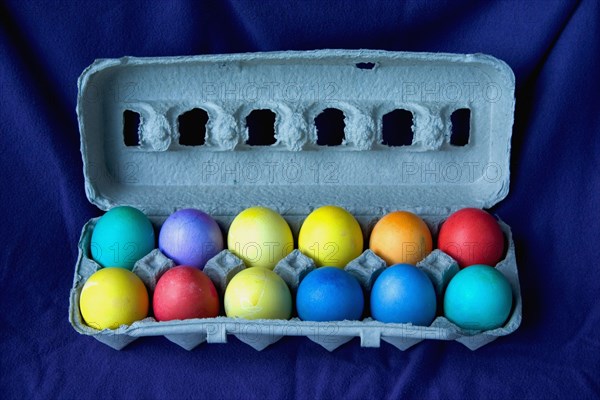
x: 185, y: 292
x: 472, y: 236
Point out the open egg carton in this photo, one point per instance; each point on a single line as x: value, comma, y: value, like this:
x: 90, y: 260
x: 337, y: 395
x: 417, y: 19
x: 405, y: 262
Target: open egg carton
x: 162, y: 134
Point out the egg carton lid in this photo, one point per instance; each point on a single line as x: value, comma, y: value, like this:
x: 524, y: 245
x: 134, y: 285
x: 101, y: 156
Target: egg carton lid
x: 224, y: 175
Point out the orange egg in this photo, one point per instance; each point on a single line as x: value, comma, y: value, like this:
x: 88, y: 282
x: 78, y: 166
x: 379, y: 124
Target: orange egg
x: 401, y: 237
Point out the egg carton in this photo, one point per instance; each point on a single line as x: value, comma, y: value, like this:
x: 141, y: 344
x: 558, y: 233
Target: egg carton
x: 134, y: 114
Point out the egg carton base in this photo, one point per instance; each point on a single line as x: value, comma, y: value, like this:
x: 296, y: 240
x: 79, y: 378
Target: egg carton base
x: 189, y: 334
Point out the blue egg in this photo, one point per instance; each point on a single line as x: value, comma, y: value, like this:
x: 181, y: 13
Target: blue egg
x: 403, y: 294
x: 329, y: 294
x: 121, y: 237
x: 478, y: 297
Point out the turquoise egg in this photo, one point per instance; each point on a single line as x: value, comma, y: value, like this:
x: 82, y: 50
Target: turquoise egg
x: 121, y: 237
x: 478, y: 297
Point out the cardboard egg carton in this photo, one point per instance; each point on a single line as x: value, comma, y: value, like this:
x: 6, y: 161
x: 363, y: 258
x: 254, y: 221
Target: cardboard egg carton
x: 133, y: 114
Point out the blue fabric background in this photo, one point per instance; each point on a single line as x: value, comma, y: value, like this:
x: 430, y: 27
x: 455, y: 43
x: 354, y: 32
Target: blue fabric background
x: 553, y: 206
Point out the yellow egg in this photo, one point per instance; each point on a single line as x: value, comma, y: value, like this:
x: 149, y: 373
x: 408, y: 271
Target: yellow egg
x: 258, y: 293
x: 112, y: 297
x: 331, y: 236
x: 260, y: 237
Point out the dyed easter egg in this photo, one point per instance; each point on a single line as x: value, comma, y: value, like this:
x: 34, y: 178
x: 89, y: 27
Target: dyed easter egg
x: 404, y: 294
x: 331, y: 236
x: 185, y: 292
x: 112, y: 297
x: 478, y: 297
x: 258, y: 293
x: 472, y: 236
x: 401, y: 237
x: 329, y: 294
x: 260, y: 237
x: 121, y: 237
x: 190, y: 237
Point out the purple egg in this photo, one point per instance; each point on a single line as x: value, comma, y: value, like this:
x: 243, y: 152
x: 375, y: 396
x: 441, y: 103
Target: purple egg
x: 190, y: 237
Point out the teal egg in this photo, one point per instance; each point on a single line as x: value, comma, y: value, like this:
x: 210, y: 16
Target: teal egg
x: 121, y: 237
x: 478, y: 297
